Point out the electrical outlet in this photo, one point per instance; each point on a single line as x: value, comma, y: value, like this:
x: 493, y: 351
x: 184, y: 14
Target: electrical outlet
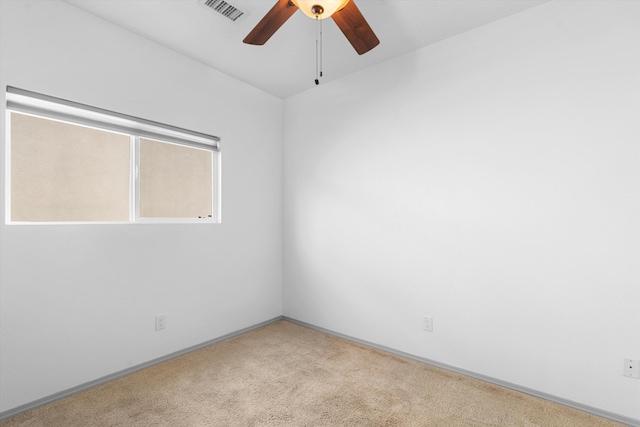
x: 631, y: 368
x: 427, y: 323
x: 161, y: 322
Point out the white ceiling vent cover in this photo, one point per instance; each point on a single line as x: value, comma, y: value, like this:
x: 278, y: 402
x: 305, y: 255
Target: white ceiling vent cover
x: 223, y: 8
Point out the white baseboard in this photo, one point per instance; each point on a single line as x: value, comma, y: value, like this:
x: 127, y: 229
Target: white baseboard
x: 631, y: 422
x: 56, y: 396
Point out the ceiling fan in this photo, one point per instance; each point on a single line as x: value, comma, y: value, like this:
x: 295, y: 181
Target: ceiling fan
x: 345, y: 14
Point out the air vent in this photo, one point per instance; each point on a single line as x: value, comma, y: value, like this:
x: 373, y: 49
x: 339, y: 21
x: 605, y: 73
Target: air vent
x: 224, y: 9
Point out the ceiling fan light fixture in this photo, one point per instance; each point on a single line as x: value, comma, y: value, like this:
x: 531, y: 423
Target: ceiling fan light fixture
x: 326, y: 8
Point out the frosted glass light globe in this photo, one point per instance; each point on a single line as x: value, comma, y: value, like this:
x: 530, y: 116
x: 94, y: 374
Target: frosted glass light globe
x: 329, y: 7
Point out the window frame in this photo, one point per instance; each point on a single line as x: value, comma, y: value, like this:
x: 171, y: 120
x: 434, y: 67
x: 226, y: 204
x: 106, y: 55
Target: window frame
x: 35, y: 104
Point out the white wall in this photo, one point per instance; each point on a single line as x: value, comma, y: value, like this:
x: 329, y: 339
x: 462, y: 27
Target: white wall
x: 79, y: 302
x: 491, y: 181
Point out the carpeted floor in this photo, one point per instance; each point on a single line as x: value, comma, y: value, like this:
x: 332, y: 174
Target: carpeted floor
x: 288, y: 375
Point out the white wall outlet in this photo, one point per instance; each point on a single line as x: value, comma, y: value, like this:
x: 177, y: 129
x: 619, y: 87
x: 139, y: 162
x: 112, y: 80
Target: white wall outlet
x: 161, y: 322
x: 427, y: 323
x: 631, y: 368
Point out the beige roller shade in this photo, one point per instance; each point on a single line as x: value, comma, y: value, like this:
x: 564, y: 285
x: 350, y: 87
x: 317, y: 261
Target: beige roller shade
x: 175, y: 181
x: 66, y: 172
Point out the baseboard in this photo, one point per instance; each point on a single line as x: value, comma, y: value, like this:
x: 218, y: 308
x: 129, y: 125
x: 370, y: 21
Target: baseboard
x: 56, y: 396
x: 631, y: 422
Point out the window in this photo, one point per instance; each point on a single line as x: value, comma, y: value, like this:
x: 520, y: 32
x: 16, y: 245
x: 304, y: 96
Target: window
x: 165, y: 171
x: 68, y: 162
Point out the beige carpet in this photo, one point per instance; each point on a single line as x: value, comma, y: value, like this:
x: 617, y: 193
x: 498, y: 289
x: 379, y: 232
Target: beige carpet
x: 287, y: 375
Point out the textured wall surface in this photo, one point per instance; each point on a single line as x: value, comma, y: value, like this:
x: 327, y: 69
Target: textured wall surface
x: 78, y: 302
x: 490, y: 181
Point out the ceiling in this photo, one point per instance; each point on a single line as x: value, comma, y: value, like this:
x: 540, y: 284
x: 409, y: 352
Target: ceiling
x: 286, y: 64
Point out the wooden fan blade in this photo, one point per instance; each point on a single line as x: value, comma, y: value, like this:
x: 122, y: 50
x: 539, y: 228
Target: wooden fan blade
x: 355, y: 28
x: 273, y: 20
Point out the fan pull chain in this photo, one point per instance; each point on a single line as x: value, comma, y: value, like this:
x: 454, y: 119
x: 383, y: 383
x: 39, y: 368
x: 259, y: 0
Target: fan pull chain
x: 321, y: 48
x: 318, y: 49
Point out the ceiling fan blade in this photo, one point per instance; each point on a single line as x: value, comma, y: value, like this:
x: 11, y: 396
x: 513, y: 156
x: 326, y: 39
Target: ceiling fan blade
x: 355, y: 28
x: 273, y: 20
